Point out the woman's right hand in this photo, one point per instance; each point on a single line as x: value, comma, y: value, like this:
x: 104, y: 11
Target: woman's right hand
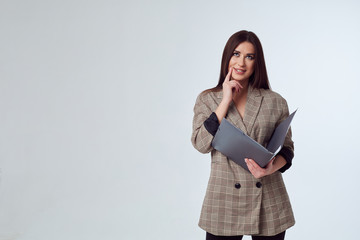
x: 230, y: 87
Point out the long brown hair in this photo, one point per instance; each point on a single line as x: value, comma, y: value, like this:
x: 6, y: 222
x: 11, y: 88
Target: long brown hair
x: 259, y: 78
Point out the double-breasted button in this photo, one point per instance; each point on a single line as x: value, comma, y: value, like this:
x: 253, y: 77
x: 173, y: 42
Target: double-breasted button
x: 258, y: 184
x: 237, y: 185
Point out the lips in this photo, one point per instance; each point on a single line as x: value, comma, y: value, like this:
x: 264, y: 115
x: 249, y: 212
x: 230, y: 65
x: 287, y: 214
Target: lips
x: 239, y: 70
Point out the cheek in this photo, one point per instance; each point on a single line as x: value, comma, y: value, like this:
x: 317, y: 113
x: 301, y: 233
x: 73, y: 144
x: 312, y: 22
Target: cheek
x: 231, y: 63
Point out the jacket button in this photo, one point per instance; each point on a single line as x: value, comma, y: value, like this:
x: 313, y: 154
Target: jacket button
x: 258, y: 184
x: 237, y: 185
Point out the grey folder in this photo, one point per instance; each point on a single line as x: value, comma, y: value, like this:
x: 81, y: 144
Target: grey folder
x: 236, y: 145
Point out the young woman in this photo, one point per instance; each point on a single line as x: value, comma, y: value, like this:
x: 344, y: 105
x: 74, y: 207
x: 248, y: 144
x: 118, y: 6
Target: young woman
x: 238, y: 202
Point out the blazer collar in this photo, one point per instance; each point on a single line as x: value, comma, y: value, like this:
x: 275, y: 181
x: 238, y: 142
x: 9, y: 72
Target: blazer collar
x: 252, y: 107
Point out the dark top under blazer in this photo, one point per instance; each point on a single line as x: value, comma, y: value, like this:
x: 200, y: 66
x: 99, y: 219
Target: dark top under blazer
x: 236, y: 203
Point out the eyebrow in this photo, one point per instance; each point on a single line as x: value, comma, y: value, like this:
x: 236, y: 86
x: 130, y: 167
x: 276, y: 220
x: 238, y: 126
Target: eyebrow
x: 246, y: 54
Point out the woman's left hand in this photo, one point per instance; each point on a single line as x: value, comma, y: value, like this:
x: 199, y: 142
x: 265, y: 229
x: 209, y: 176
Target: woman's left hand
x: 259, y: 172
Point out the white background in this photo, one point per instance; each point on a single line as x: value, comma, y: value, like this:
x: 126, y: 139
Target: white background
x: 96, y: 102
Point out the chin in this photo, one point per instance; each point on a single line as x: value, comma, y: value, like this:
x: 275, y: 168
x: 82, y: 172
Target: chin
x: 240, y: 79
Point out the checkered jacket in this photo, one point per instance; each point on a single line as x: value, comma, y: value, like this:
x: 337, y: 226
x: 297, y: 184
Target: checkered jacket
x: 236, y: 203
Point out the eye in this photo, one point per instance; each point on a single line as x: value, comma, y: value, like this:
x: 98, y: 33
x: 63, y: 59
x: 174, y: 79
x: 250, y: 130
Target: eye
x: 236, y: 54
x: 250, y: 57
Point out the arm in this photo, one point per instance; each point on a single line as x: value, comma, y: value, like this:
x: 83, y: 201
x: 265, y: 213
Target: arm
x: 287, y: 151
x: 205, y: 123
x: 229, y: 87
x: 201, y: 137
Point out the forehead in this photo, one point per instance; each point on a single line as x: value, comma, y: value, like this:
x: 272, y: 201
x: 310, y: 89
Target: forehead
x: 246, y: 48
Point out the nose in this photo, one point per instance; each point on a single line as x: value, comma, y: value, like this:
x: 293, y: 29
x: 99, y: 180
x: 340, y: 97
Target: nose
x: 241, y: 61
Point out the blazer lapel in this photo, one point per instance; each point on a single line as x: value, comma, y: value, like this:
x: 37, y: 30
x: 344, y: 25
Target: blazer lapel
x: 253, y: 103
x: 233, y: 115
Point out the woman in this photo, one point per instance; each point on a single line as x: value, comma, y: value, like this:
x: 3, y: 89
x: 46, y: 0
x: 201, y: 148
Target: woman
x: 238, y: 202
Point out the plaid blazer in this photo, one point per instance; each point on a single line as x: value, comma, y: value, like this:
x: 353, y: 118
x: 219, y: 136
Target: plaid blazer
x: 236, y: 203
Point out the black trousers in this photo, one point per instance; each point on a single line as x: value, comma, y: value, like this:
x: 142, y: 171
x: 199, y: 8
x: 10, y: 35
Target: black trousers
x: 280, y: 236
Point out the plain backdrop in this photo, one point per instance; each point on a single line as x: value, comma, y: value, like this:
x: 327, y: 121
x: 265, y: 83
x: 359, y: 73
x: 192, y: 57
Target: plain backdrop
x: 96, y: 107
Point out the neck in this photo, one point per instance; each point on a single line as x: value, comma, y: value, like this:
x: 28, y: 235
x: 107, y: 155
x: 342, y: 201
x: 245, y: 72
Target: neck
x: 243, y: 92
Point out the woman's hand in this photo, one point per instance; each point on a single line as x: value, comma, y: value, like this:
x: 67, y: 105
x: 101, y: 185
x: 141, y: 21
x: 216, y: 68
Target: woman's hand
x: 229, y: 87
x: 259, y: 172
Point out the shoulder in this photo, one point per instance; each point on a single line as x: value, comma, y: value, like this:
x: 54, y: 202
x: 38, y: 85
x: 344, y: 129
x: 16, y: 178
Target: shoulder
x: 273, y: 98
x: 208, y: 99
x: 210, y: 94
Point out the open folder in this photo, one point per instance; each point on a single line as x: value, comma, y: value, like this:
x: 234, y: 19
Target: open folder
x: 236, y: 145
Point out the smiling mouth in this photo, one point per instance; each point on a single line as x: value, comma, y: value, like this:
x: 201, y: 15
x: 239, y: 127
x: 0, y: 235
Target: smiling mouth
x: 240, y: 70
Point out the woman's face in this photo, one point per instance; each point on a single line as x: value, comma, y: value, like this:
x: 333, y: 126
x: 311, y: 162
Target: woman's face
x: 242, y: 61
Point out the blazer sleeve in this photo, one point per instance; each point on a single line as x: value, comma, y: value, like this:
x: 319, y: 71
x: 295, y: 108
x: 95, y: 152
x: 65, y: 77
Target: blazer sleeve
x: 287, y: 150
x: 201, y: 138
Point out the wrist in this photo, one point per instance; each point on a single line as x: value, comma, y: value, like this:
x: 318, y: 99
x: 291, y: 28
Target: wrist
x: 278, y: 163
x: 221, y: 110
x: 226, y: 101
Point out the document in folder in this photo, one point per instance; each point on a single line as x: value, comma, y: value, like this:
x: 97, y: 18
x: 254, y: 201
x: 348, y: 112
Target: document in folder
x: 236, y: 145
